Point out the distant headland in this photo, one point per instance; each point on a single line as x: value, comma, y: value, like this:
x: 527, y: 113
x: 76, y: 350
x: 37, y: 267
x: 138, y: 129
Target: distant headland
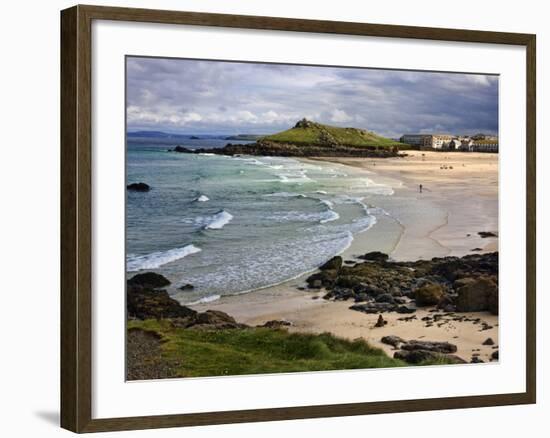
x: 307, y: 138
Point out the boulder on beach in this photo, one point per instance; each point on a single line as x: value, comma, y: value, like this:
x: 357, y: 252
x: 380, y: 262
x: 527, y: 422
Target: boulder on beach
x: 476, y: 294
x: 376, y: 256
x: 186, y: 286
x: 334, y: 263
x: 276, y: 324
x: 148, y: 279
x: 138, y: 187
x: 428, y: 295
x: 394, y: 341
x: 439, y: 347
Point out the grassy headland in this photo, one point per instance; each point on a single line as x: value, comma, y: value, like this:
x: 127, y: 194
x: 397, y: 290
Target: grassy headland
x: 311, y: 139
x: 308, y: 133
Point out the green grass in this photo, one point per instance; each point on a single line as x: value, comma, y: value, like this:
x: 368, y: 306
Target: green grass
x: 313, y: 135
x: 196, y: 353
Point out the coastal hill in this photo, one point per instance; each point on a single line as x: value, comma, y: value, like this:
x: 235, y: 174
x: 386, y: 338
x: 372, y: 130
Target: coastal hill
x: 311, y: 139
x: 309, y: 133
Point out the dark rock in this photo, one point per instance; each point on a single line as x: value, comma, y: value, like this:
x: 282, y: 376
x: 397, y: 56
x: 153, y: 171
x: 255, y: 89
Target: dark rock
x: 183, y: 150
x: 385, y: 298
x: 216, y: 319
x: 348, y: 281
x: 439, y: 347
x: 476, y: 294
x: 416, y: 356
x: 186, y: 287
x: 209, y: 320
x: 148, y: 279
x: 476, y: 359
x: 494, y: 355
x: 334, y: 263
x: 428, y: 295
x: 276, y: 324
x: 370, y: 307
x: 138, y: 187
x: 394, y: 341
x: 320, y: 279
x: 342, y: 293
x: 485, y: 234
x: 380, y: 322
x: 488, y: 341
x: 374, y: 256
x: 316, y: 284
x: 405, y: 309
x: 145, y: 303
x: 361, y: 297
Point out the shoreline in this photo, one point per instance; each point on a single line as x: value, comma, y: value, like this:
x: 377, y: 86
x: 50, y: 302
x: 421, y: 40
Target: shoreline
x: 410, y: 225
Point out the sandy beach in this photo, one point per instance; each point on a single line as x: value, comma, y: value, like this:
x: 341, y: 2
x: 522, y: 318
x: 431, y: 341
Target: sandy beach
x: 458, y: 200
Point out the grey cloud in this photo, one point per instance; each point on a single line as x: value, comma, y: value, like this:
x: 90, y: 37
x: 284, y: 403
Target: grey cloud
x: 229, y: 97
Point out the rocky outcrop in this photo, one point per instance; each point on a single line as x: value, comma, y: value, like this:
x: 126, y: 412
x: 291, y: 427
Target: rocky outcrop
x: 464, y: 284
x: 148, y: 303
x: 148, y: 279
x: 138, y: 187
x: 276, y: 149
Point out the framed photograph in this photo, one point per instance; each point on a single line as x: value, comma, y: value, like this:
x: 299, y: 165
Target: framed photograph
x: 270, y: 218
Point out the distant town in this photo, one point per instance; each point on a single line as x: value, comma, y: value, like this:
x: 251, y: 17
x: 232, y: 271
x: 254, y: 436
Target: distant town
x: 448, y: 142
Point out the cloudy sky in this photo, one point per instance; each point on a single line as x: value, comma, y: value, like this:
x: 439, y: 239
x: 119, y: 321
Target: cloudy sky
x: 212, y: 97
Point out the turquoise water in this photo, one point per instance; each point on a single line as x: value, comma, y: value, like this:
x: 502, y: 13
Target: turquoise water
x: 229, y: 225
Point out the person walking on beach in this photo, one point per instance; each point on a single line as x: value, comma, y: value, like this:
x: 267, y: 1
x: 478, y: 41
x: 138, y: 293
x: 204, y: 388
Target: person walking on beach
x: 420, y: 188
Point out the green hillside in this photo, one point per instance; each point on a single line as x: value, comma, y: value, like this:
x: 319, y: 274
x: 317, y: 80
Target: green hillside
x: 306, y: 132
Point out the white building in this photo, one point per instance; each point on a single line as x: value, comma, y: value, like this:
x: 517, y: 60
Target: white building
x: 413, y: 139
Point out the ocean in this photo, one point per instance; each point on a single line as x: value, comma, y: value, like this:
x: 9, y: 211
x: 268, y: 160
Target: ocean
x: 230, y: 225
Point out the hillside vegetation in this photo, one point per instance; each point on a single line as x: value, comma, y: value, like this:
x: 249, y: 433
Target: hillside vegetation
x: 255, y: 350
x: 306, y: 132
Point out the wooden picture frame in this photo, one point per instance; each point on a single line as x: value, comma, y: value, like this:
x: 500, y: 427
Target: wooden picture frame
x: 76, y: 217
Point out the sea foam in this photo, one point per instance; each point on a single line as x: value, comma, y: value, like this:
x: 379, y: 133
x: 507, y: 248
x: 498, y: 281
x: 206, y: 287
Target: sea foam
x: 202, y: 198
x: 219, y: 220
x: 159, y: 258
